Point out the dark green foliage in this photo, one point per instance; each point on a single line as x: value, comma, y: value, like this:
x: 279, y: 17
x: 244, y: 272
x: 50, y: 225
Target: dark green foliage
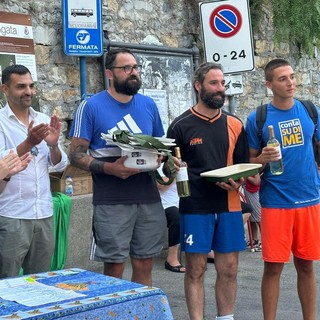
x: 295, y: 21
x: 255, y: 13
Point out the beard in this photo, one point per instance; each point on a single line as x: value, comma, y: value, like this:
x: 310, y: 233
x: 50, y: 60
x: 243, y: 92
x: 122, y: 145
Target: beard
x: 212, y: 100
x: 129, y: 87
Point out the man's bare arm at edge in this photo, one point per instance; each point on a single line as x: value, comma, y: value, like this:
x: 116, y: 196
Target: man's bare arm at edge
x: 79, y: 158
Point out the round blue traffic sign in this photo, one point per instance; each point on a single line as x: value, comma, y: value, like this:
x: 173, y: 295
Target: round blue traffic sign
x: 225, y: 21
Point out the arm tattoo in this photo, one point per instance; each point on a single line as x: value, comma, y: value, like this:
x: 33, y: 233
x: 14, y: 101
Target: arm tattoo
x: 77, y: 154
x: 96, y: 166
x: 79, y: 157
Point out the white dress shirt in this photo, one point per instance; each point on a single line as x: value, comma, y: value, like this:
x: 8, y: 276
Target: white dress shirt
x: 27, y: 195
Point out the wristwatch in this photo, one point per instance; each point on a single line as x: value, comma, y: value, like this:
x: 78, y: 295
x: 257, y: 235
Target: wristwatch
x: 6, y: 179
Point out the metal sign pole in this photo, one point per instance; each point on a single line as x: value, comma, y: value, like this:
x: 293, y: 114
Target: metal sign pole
x: 83, y: 78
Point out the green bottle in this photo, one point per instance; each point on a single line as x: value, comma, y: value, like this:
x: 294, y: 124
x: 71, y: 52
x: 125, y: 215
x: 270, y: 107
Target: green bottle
x: 182, y: 179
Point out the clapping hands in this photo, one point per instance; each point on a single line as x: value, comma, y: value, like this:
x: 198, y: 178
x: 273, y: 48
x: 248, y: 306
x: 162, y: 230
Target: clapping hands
x: 47, y: 132
x: 11, y: 164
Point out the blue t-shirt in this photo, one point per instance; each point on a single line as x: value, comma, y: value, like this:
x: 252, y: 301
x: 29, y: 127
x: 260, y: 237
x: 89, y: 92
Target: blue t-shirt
x: 101, y: 113
x: 299, y: 185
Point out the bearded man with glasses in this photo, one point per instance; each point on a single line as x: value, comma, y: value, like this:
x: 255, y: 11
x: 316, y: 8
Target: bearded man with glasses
x: 128, y: 218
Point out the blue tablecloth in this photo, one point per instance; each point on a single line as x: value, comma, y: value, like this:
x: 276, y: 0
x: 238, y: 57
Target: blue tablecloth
x: 104, y: 298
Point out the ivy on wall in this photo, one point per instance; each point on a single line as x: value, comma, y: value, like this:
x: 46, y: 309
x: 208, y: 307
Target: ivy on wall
x: 255, y: 13
x: 295, y: 21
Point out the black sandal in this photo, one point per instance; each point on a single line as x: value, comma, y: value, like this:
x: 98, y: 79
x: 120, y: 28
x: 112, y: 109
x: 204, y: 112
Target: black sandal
x: 174, y: 268
x: 210, y: 260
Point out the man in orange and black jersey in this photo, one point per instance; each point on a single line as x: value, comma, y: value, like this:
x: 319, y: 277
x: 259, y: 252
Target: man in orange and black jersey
x: 211, y: 218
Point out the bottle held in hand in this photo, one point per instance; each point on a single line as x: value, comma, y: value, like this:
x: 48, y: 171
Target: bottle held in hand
x: 276, y: 167
x: 182, y: 179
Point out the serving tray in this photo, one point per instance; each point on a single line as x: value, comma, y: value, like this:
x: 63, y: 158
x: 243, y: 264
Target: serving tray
x: 235, y: 172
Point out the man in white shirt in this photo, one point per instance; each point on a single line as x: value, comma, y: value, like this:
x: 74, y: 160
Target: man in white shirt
x: 26, y: 209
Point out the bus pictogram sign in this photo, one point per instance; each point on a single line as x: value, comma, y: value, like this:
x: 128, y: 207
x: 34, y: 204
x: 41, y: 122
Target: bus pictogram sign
x: 225, y: 21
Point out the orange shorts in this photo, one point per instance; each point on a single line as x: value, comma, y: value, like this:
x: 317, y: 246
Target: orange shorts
x: 294, y: 230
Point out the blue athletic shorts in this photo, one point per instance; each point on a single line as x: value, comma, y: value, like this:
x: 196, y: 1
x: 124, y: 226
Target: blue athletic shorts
x: 201, y: 233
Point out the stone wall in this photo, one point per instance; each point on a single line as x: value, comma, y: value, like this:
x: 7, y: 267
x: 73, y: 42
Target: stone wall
x: 173, y: 23
x: 306, y: 68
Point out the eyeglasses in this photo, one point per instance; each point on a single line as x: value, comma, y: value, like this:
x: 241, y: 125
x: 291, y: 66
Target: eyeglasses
x: 129, y: 69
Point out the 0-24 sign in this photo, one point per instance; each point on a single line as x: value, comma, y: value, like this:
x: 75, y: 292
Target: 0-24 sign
x: 233, y: 55
x: 227, y: 34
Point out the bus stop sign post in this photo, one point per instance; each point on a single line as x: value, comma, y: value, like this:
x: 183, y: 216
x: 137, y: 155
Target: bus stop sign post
x: 83, y: 36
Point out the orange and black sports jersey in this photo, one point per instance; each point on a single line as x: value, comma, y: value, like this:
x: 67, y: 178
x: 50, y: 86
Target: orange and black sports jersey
x: 208, y: 144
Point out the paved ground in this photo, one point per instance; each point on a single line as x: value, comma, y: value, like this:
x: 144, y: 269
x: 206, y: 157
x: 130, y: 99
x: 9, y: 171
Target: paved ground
x: 248, y: 305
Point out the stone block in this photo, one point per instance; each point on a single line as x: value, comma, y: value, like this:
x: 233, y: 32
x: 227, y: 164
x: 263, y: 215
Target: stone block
x: 79, y: 237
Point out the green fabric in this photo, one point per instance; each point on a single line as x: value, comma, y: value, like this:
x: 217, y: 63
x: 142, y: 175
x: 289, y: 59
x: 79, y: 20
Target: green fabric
x: 171, y: 172
x: 61, y: 220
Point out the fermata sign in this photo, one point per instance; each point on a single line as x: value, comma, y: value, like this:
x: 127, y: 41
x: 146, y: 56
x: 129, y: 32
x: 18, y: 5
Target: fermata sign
x: 227, y: 34
x: 82, y: 27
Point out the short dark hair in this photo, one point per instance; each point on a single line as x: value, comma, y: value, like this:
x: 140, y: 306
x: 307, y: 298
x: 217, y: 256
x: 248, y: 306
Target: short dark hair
x: 274, y: 64
x: 203, y: 69
x: 14, y: 69
x: 112, y: 55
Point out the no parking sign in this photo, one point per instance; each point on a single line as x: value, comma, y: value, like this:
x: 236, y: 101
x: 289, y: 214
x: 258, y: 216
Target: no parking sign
x: 227, y: 34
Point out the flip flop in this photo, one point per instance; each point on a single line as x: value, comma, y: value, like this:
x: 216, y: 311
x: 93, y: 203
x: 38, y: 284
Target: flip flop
x: 174, y: 268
